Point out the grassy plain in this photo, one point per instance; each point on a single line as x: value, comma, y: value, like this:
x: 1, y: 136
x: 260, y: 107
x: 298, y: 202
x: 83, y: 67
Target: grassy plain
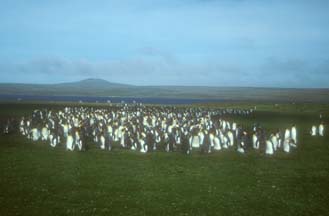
x: 38, y: 180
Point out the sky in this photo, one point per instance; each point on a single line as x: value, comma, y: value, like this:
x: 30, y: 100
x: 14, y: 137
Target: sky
x: 256, y: 43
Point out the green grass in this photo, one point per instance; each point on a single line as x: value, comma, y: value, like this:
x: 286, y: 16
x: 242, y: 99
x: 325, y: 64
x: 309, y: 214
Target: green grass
x: 38, y: 180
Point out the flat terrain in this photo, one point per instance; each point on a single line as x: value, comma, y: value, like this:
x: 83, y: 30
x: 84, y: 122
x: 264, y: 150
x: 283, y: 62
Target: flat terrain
x: 38, y: 180
x: 97, y: 87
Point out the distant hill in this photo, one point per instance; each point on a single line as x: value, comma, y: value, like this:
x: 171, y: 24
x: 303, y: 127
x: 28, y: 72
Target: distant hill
x: 90, y: 87
x: 99, y: 87
x: 92, y: 83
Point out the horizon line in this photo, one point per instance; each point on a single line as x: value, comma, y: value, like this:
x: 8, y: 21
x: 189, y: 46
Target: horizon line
x: 167, y: 85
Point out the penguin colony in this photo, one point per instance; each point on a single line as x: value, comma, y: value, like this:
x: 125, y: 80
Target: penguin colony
x: 153, y: 128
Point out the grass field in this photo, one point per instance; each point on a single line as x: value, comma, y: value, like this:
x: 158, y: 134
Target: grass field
x: 38, y: 180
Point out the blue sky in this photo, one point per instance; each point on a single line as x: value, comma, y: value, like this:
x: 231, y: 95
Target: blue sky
x: 174, y: 42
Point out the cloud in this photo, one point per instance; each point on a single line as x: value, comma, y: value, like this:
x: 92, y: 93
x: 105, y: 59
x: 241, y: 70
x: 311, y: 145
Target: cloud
x: 322, y: 68
x: 146, y: 70
x: 274, y: 66
x: 295, y: 72
x: 141, y: 70
x: 169, y: 58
